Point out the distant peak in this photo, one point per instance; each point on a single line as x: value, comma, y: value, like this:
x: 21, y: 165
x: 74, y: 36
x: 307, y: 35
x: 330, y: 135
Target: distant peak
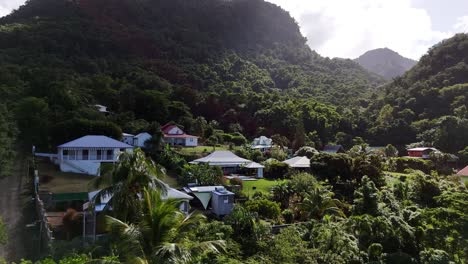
x: 385, y: 62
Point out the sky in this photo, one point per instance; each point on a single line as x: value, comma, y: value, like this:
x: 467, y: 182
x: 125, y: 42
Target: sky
x: 348, y: 28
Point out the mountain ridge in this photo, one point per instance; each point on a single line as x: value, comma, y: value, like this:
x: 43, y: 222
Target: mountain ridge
x: 385, y: 62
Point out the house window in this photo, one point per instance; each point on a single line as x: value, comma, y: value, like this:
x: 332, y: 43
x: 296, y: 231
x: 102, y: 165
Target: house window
x: 110, y: 154
x: 191, y: 139
x: 85, y: 154
x: 98, y: 154
x: 65, y: 154
x: 72, y: 155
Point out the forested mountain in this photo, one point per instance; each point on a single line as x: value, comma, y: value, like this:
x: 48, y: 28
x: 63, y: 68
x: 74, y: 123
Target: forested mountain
x: 385, y: 62
x: 240, y: 63
x: 429, y: 102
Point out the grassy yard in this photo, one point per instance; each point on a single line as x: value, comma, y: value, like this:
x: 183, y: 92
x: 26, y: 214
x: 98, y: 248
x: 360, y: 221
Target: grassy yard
x: 465, y: 179
x: 262, y: 185
x: 51, y: 179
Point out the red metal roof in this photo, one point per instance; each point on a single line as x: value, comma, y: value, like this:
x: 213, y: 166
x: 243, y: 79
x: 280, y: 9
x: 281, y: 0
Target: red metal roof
x: 463, y: 172
x: 167, y: 127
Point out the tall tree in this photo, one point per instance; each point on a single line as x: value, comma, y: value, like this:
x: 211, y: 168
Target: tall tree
x: 124, y: 183
x: 161, y: 233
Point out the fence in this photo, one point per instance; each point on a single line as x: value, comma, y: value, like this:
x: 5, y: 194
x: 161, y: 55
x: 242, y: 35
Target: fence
x: 45, y: 233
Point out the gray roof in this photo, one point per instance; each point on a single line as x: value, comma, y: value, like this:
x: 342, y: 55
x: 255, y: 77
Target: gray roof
x: 332, y: 148
x: 262, y: 141
x: 422, y: 149
x: 203, y: 188
x: 254, y: 165
x: 176, y: 194
x: 222, y: 158
x: 298, y: 162
x: 142, y: 134
x: 95, y: 142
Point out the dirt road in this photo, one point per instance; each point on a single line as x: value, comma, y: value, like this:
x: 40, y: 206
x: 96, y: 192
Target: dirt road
x: 11, y: 209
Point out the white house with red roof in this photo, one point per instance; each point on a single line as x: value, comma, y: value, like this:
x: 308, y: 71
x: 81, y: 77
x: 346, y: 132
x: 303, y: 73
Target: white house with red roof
x: 173, y: 135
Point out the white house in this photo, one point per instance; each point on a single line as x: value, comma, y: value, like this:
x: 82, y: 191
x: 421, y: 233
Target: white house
x: 136, y: 140
x: 262, y: 143
x: 86, y: 154
x: 173, y: 135
x: 229, y: 162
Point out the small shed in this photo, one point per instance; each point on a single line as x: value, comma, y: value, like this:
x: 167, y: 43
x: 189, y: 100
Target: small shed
x: 222, y: 202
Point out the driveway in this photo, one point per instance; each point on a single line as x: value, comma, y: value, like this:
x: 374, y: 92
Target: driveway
x: 11, y: 210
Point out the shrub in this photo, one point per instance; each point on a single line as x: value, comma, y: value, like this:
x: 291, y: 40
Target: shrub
x: 204, y: 174
x: 277, y: 153
x: 309, y: 152
x: 237, y: 181
x: 402, y: 163
x: 329, y: 166
x: 276, y: 170
x: 288, y: 216
x: 264, y: 208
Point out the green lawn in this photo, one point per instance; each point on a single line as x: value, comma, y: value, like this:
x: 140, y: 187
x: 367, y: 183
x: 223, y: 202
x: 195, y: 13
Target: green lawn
x: 262, y: 185
x: 464, y: 179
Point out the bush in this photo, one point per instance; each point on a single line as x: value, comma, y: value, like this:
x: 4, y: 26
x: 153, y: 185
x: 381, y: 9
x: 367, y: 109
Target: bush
x: 264, y: 208
x: 329, y: 166
x: 276, y: 170
x: 237, y: 181
x: 403, y: 163
x: 288, y: 216
x: 204, y: 174
x: 309, y: 152
x: 277, y: 153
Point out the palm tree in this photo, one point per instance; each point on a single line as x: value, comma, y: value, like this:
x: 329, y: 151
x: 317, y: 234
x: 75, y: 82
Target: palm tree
x: 282, y: 193
x: 319, y: 202
x: 125, y: 181
x: 162, y: 234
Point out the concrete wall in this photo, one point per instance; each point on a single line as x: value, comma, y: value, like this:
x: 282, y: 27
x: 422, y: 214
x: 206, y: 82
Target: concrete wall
x: 191, y: 142
x: 90, y: 167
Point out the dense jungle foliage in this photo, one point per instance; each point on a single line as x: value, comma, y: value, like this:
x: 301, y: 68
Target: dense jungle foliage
x: 228, y: 71
x: 192, y: 62
x: 429, y: 103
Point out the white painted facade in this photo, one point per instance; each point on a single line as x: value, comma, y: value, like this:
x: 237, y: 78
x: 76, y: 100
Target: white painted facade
x: 86, y: 154
x: 136, y: 140
x: 175, y: 136
x: 127, y: 138
x: 140, y: 139
x: 87, y: 161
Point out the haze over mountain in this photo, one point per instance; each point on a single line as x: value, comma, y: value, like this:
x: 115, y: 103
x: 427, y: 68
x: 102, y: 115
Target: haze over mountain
x: 385, y: 62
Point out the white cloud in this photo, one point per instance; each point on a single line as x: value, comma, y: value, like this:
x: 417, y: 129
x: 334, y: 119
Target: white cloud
x: 6, y: 6
x: 339, y: 28
x: 462, y: 24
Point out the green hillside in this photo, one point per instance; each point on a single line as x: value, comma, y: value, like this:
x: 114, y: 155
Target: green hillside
x: 429, y: 103
x: 243, y: 64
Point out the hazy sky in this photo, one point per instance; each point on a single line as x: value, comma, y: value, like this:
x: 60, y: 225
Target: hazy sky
x: 348, y: 28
